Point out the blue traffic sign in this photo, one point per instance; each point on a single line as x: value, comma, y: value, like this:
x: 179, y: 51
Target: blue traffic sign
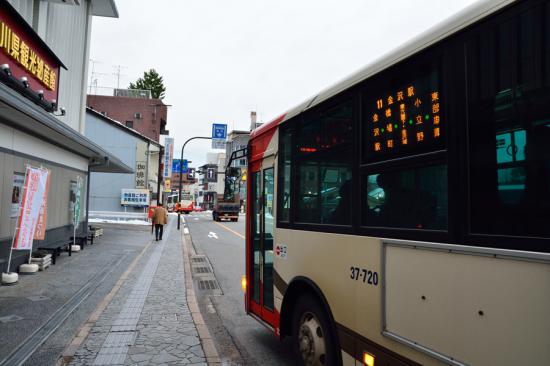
x: 176, y: 165
x: 219, y: 131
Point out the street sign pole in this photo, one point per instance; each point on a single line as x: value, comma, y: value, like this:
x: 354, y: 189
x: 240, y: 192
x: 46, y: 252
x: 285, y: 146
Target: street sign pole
x: 181, y: 174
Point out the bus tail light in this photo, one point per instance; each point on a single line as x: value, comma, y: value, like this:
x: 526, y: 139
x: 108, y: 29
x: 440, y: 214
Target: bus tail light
x: 243, y: 283
x: 368, y: 359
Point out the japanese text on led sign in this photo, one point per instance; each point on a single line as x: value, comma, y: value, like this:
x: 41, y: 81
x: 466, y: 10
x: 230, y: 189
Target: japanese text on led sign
x: 17, y: 49
x: 403, y: 119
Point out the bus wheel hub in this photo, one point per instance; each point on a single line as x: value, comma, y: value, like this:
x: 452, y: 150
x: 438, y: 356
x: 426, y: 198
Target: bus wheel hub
x: 311, y: 340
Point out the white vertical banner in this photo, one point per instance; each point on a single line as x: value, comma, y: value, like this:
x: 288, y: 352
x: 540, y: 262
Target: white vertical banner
x: 168, y: 156
x: 34, y: 192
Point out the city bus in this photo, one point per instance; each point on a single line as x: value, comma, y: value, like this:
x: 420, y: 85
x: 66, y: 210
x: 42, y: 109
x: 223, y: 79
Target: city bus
x: 402, y: 216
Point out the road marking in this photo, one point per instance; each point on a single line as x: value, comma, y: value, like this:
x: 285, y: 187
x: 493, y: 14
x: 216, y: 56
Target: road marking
x: 196, y: 219
x: 212, y: 235
x: 230, y: 230
x: 185, y: 230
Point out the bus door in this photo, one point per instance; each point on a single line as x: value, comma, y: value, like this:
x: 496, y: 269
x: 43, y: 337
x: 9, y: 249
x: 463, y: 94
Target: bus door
x: 261, y: 256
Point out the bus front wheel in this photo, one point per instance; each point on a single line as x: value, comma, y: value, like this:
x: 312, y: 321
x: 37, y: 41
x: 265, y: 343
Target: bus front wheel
x: 313, y: 341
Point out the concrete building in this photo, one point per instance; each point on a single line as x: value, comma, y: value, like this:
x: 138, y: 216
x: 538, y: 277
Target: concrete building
x: 134, y: 150
x: 44, y: 52
x: 138, y: 111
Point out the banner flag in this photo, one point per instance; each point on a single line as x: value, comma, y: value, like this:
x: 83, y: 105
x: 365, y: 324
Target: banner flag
x: 35, y: 185
x: 76, y: 217
x: 40, y: 232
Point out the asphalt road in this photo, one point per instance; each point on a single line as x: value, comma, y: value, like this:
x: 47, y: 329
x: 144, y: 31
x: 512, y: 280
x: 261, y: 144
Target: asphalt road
x: 223, y: 243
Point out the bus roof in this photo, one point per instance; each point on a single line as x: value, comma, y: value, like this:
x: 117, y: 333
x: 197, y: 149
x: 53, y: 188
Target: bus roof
x: 446, y: 28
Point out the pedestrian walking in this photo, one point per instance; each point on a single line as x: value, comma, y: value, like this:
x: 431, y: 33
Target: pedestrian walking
x: 160, y: 218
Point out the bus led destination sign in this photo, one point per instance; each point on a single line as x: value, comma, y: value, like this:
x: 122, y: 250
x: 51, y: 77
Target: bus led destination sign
x: 404, y: 119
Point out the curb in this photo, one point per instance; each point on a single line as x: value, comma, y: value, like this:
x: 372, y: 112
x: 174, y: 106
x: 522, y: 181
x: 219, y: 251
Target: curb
x: 212, y: 356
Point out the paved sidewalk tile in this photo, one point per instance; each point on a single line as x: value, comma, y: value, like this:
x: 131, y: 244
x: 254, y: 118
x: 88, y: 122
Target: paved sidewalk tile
x: 148, y: 322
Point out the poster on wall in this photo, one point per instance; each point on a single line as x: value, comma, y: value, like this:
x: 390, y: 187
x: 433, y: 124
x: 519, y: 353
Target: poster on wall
x: 34, y: 188
x: 17, y: 193
x: 40, y: 232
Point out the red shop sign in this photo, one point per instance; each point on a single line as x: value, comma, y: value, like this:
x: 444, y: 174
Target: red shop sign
x: 27, y: 54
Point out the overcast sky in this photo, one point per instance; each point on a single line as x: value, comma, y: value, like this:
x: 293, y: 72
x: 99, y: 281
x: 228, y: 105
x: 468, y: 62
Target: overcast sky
x: 222, y: 59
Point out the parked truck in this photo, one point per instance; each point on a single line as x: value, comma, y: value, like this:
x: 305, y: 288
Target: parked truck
x: 228, y: 205
x: 226, y: 208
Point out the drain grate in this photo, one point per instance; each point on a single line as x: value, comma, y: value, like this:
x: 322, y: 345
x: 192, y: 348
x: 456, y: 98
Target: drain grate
x: 199, y: 259
x: 208, y: 285
x: 202, y: 270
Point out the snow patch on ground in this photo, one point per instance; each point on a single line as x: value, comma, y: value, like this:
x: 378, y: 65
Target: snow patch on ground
x: 125, y: 222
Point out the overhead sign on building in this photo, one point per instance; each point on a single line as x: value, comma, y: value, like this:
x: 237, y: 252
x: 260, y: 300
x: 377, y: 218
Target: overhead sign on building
x: 168, y: 156
x: 26, y: 56
x: 141, y: 171
x: 219, y: 135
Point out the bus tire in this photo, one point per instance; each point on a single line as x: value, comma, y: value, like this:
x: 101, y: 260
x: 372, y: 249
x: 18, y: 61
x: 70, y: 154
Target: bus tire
x: 312, y: 340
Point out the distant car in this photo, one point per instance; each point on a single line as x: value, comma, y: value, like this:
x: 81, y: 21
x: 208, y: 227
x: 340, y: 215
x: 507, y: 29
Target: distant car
x: 198, y: 209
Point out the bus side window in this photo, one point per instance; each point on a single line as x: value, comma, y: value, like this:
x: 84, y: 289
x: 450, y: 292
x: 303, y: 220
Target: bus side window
x: 410, y: 199
x: 510, y: 126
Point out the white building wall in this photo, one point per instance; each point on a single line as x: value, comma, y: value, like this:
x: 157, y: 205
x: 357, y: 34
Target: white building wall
x: 68, y: 34
x: 23, y: 7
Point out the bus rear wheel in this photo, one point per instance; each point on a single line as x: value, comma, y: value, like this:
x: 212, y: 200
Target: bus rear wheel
x: 313, y: 341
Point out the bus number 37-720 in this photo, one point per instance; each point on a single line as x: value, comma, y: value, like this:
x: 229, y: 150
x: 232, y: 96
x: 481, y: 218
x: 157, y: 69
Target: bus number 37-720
x: 366, y: 275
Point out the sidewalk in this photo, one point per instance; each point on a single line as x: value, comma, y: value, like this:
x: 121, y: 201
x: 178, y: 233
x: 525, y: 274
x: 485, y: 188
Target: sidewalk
x: 148, y: 320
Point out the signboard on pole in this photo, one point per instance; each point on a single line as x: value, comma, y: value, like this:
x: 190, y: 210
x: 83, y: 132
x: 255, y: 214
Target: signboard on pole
x: 211, y: 175
x: 176, y: 166
x: 219, y: 135
x: 168, y: 157
x: 35, y: 186
x: 134, y: 197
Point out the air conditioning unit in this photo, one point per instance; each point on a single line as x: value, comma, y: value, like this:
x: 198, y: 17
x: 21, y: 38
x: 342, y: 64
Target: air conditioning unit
x: 137, y: 115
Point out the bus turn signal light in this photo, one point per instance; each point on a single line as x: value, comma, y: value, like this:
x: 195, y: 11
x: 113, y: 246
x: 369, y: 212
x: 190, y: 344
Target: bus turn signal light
x: 243, y: 283
x: 368, y: 359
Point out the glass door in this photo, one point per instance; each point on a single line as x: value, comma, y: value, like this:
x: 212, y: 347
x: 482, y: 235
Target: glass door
x: 262, y: 227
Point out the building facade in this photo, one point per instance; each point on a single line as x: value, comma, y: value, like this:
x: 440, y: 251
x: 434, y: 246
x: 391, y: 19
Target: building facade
x: 44, y: 52
x: 134, y: 150
x: 146, y: 115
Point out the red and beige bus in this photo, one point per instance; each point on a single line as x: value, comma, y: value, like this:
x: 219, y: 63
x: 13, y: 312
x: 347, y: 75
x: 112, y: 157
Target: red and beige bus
x: 402, y: 216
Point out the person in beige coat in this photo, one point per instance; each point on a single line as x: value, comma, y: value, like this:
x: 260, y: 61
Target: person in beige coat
x: 160, y: 218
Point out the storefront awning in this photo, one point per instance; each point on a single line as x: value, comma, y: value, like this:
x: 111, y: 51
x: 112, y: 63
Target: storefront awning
x: 22, y: 114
